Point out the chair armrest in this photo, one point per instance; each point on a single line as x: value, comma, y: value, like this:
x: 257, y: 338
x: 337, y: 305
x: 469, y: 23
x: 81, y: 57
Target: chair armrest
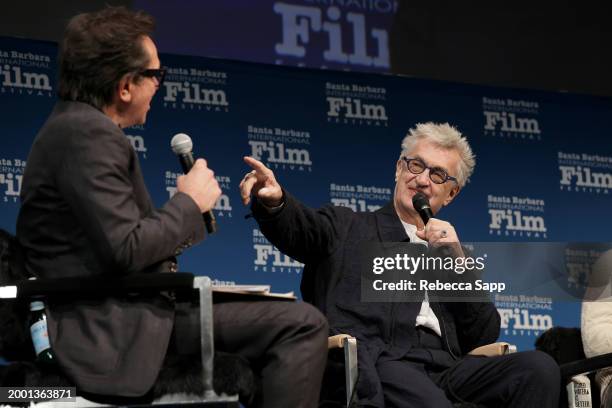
x: 494, y: 349
x: 207, y: 346
x: 337, y: 341
x: 105, y: 286
x: 586, y: 366
x: 351, y: 369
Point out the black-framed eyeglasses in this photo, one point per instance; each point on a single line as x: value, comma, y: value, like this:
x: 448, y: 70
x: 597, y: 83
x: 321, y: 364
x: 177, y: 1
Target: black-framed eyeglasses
x: 158, y: 74
x: 436, y: 174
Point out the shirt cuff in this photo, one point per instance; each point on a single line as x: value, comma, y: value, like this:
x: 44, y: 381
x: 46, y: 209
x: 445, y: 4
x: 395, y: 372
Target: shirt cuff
x: 272, y: 210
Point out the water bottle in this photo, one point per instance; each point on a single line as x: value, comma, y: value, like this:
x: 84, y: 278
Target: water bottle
x: 39, y: 333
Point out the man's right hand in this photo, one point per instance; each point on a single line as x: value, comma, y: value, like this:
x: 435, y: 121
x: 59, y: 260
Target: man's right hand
x: 261, y: 183
x: 201, y: 185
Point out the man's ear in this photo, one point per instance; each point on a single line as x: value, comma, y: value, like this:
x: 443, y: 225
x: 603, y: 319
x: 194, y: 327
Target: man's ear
x: 453, y: 193
x: 398, y: 169
x: 124, y: 89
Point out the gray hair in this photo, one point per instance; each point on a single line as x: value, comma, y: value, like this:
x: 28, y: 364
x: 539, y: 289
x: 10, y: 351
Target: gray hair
x: 446, y: 137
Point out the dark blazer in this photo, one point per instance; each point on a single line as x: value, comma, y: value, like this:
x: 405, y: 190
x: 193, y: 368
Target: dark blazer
x: 328, y: 242
x: 85, y: 211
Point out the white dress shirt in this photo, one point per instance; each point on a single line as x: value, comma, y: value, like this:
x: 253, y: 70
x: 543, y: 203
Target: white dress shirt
x: 426, y: 317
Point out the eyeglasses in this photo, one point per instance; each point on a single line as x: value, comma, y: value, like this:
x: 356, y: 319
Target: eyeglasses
x: 436, y: 174
x: 158, y: 74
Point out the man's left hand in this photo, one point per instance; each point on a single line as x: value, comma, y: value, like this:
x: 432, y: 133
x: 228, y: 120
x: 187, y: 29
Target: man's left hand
x: 438, y: 232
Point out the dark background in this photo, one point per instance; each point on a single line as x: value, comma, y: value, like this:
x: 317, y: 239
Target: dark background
x: 518, y: 44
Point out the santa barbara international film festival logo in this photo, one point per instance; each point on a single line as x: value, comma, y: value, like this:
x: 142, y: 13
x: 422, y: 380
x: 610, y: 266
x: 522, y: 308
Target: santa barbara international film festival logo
x: 195, y: 89
x: 269, y: 259
x: 222, y: 208
x: 280, y: 148
x: 344, y: 29
x: 524, y: 315
x: 25, y: 73
x: 11, y: 176
x: 585, y: 173
x: 516, y: 216
x: 359, y: 198
x: 134, y: 136
x: 579, y: 264
x: 511, y: 119
x: 353, y: 104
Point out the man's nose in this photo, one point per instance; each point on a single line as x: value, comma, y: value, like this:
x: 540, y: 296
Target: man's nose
x: 423, y: 178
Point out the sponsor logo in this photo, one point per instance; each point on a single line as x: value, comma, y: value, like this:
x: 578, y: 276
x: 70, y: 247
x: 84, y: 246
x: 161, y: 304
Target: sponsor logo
x: 509, y: 118
x: 223, y: 206
x: 522, y: 321
x: 269, y: 259
x: 170, y: 182
x: 136, y: 140
x: 579, y: 263
x: 524, y: 315
x: 11, y: 176
x: 217, y: 282
x: 514, y: 217
x: 25, y: 73
x: 195, y: 89
x: 278, y: 148
x: 342, y: 27
x: 585, y: 173
x: 359, y: 198
x: 356, y: 104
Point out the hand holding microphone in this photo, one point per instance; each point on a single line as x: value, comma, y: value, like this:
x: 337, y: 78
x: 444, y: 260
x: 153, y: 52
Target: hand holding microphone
x: 420, y: 203
x: 436, y: 231
x: 198, y: 182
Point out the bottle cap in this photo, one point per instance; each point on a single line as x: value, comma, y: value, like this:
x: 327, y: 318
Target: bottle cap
x: 37, y: 305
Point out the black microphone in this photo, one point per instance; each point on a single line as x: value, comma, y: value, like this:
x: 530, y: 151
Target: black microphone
x: 182, y: 146
x: 421, y: 205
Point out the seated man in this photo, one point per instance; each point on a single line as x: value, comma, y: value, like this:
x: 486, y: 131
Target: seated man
x: 85, y: 211
x: 410, y: 354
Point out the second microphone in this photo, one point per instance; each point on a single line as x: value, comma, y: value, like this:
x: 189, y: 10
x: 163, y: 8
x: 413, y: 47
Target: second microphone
x: 182, y: 146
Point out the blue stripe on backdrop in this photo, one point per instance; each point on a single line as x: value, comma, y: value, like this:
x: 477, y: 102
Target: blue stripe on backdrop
x: 334, y: 137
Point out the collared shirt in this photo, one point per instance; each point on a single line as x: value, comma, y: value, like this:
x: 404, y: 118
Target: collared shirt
x: 427, y: 317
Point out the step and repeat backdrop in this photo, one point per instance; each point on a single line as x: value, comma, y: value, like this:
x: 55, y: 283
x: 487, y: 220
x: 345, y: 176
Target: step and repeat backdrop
x: 351, y: 35
x: 543, y: 174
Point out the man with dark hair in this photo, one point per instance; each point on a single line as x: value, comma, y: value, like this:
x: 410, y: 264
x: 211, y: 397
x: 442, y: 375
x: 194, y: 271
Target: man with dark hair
x: 85, y: 75
x: 85, y: 211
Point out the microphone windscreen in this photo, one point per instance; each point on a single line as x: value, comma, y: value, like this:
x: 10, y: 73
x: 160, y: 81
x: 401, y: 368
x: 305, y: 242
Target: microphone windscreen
x: 181, y: 144
x: 420, y: 201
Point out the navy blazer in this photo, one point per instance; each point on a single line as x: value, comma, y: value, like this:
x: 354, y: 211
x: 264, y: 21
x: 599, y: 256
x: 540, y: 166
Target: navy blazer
x: 328, y: 241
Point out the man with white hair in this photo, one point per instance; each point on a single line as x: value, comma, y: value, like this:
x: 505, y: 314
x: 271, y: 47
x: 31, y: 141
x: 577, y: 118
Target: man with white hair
x: 411, y: 354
